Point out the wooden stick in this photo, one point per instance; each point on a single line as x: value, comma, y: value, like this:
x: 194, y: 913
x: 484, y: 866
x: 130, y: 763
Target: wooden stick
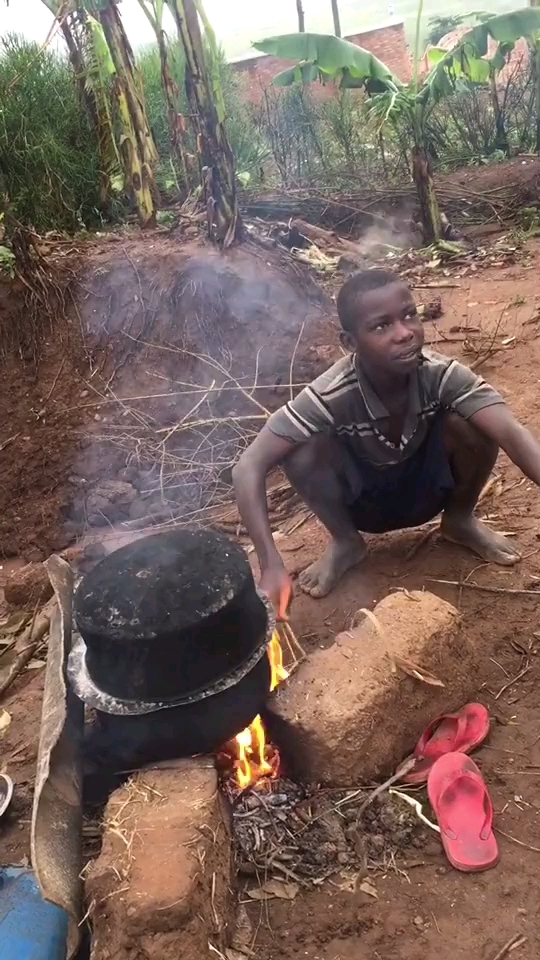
x: 404, y: 768
x: 416, y: 547
x: 512, y: 681
x: 486, y: 589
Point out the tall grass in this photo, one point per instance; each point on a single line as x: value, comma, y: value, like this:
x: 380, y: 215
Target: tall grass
x: 48, y: 158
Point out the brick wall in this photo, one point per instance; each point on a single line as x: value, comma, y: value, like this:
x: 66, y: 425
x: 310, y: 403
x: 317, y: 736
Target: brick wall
x: 387, y: 43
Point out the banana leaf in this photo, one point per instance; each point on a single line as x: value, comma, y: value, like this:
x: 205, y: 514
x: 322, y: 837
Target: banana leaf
x: 329, y: 58
x: 323, y: 57
x: 469, y: 57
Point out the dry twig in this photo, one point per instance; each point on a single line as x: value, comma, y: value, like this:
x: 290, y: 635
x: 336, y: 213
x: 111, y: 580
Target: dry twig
x: 512, y: 681
x: 31, y: 638
x: 520, y: 843
x: 486, y: 589
x: 516, y: 941
x: 403, y: 769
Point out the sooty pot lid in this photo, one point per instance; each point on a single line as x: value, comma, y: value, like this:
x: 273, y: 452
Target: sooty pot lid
x: 167, y: 581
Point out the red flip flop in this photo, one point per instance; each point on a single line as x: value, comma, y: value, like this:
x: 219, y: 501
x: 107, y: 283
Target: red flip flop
x: 461, y: 802
x: 457, y: 732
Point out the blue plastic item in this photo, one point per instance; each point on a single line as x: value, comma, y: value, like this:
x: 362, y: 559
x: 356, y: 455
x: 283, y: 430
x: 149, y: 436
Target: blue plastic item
x: 30, y: 928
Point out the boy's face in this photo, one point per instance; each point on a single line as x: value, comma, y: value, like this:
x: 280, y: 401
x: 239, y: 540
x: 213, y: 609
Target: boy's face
x: 389, y: 334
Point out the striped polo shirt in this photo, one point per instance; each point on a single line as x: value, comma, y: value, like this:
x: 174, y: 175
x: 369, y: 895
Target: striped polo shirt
x: 343, y: 402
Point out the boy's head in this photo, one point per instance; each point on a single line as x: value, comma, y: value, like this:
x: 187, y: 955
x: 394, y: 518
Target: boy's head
x: 380, y: 322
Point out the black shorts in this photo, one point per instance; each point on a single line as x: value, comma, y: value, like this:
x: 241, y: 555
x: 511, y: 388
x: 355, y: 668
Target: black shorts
x: 405, y: 494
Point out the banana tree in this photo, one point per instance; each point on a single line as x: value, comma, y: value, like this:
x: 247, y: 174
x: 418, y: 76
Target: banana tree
x: 89, y: 58
x: 153, y: 10
x: 205, y: 96
x: 68, y: 26
x: 103, y: 63
x: 140, y: 151
x: 326, y: 58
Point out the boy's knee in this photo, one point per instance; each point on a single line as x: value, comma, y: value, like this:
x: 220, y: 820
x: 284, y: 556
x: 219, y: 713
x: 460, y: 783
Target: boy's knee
x: 460, y: 434
x: 306, y: 458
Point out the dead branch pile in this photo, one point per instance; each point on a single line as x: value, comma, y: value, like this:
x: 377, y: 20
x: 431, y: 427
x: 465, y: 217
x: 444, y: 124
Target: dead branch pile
x: 298, y: 837
x: 463, y: 203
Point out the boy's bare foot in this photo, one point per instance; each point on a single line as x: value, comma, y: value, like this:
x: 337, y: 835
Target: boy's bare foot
x: 471, y: 533
x: 340, y: 555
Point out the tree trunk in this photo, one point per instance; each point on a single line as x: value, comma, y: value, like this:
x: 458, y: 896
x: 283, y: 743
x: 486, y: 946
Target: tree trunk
x: 153, y: 11
x: 208, y: 114
x: 77, y: 62
x: 537, y: 93
x: 335, y: 15
x: 301, y: 18
x: 137, y: 147
x: 175, y: 119
x: 536, y: 48
x: 429, y: 206
x: 124, y: 62
x: 501, y: 137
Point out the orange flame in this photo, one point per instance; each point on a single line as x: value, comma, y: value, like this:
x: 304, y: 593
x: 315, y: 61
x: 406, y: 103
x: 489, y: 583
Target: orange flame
x: 275, y: 656
x: 254, y: 757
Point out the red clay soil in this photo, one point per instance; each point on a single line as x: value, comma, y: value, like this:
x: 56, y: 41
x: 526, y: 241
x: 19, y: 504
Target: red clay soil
x: 425, y: 910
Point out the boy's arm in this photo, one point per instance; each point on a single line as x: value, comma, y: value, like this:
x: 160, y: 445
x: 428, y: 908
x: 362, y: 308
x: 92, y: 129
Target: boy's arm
x: 249, y: 478
x: 499, y: 423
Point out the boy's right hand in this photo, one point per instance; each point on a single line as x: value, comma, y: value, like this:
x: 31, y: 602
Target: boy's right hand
x: 276, y: 583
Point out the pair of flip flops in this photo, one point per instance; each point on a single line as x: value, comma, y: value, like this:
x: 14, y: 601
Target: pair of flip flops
x: 456, y: 789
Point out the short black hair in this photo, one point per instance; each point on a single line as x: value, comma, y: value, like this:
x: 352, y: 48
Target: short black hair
x: 353, y: 289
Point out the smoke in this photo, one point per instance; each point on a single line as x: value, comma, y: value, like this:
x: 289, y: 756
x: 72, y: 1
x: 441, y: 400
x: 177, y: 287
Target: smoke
x: 395, y: 234
x: 191, y: 351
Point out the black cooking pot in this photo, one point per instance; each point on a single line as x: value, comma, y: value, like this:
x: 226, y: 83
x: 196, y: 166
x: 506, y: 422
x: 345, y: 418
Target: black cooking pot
x: 169, y: 616
x: 173, y: 652
x: 119, y: 744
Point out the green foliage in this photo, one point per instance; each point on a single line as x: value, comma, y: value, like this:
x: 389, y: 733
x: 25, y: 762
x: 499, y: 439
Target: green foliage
x: 50, y: 165
x: 328, y: 58
x: 48, y: 156
x: 51, y: 168
x: 7, y: 261
x: 469, y: 57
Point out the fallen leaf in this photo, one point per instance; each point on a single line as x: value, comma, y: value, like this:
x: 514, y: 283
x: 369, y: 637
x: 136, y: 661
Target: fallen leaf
x: 274, y: 889
x: 5, y: 720
x: 367, y: 887
x: 36, y: 664
x: 412, y: 670
x: 243, y: 934
x: 15, y: 623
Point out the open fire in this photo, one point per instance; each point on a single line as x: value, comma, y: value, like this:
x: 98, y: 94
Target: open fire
x: 253, y: 756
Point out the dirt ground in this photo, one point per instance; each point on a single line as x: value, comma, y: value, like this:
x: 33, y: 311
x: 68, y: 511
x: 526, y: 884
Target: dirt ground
x: 424, y: 908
